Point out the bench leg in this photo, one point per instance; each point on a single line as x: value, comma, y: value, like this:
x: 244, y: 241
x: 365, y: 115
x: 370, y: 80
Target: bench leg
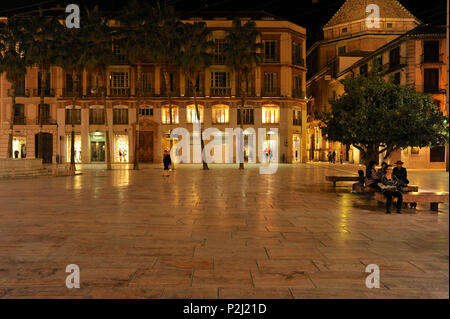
x: 334, y: 183
x: 434, y: 207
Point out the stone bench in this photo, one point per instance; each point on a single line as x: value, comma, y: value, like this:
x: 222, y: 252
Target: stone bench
x: 335, y: 179
x: 367, y: 189
x: 433, y: 198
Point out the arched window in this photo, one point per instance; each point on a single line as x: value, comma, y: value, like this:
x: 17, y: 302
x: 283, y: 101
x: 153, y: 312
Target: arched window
x: 220, y: 114
x: 191, y: 113
x: 165, y: 115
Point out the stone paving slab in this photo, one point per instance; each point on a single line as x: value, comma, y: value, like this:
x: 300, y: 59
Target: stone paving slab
x: 222, y: 233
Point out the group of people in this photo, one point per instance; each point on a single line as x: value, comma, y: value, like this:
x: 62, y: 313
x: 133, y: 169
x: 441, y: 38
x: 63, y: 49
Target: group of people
x: 332, y: 157
x: 386, y: 180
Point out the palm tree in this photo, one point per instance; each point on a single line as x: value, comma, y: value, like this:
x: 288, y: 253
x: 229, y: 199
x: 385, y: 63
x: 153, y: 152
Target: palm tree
x: 166, y: 46
x: 12, y: 63
x: 194, y: 58
x: 137, y: 40
x: 242, y: 56
x: 71, y: 44
x: 97, y: 57
x: 43, y: 50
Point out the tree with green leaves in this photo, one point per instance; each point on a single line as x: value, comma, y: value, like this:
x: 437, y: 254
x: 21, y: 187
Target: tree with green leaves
x: 97, y: 57
x: 43, y: 50
x: 193, y: 60
x: 137, y: 40
x: 13, y: 62
x: 242, y: 55
x: 376, y: 116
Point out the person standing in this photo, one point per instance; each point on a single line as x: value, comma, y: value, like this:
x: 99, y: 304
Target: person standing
x: 167, y: 161
x: 341, y: 157
x: 333, y: 157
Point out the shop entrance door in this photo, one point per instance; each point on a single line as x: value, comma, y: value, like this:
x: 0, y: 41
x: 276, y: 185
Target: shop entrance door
x: 146, y: 146
x: 97, y: 151
x: 47, y: 147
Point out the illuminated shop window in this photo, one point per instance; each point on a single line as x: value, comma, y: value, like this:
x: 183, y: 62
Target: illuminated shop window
x: 270, y: 114
x: 121, y: 148
x: 77, y: 146
x: 191, y: 113
x: 19, y: 147
x: 165, y: 115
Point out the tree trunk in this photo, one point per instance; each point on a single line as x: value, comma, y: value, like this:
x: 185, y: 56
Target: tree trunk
x: 169, y: 99
x: 40, y: 109
x: 105, y: 116
x: 241, y: 125
x: 371, y: 153
x: 136, y: 142
x: 202, y: 143
x: 11, y: 124
x: 72, y: 115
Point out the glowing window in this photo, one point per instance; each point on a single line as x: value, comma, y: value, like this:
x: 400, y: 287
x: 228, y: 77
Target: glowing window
x: 165, y: 115
x: 270, y: 114
x: 220, y: 114
x: 191, y: 113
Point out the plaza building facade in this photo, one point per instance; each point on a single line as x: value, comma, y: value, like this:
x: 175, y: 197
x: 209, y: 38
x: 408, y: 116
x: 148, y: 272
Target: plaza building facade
x: 412, y: 54
x: 276, y: 98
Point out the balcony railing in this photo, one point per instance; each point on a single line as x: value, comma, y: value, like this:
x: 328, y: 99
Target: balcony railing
x: 395, y: 64
x: 269, y: 92
x: 68, y: 92
x: 220, y: 91
x: 432, y: 59
x: 119, y: 92
x: 271, y: 60
x: 173, y: 91
x: 250, y: 92
x: 47, y: 92
x: 94, y: 92
x: 189, y: 92
x: 46, y: 121
x: 298, y: 61
x: 120, y: 59
x: 297, y: 93
x: 20, y: 120
x: 19, y: 92
x: 145, y: 92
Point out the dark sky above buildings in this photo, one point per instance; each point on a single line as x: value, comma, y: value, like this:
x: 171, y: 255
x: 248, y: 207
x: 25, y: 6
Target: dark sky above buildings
x: 312, y: 14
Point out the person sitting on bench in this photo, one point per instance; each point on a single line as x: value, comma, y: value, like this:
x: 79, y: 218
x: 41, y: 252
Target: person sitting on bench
x: 361, y: 181
x: 373, y: 178
x: 390, y: 187
x: 401, y: 173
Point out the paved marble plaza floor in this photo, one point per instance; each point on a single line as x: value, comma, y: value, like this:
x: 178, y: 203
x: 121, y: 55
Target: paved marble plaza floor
x: 221, y: 233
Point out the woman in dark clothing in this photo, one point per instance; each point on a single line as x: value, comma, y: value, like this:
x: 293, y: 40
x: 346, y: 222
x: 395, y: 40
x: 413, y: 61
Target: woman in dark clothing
x: 390, y: 187
x: 373, y: 178
x: 167, y: 161
x: 401, y: 173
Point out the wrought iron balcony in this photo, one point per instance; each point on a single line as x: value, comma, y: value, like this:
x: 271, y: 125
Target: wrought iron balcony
x: 297, y: 93
x: 119, y: 92
x: 270, y: 92
x: 250, y: 92
x: 19, y: 92
x: 395, y: 64
x: 432, y: 59
x: 298, y: 61
x: 220, y: 91
x: 20, y: 120
x: 47, y: 92
x: 68, y: 92
x: 147, y: 92
x: 173, y: 91
x: 45, y: 120
x: 94, y: 92
x: 189, y: 92
x: 271, y: 60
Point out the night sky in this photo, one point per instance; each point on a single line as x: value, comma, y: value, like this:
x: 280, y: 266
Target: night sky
x: 312, y: 14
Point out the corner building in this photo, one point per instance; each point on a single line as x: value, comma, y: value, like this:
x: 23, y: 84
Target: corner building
x: 275, y: 99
